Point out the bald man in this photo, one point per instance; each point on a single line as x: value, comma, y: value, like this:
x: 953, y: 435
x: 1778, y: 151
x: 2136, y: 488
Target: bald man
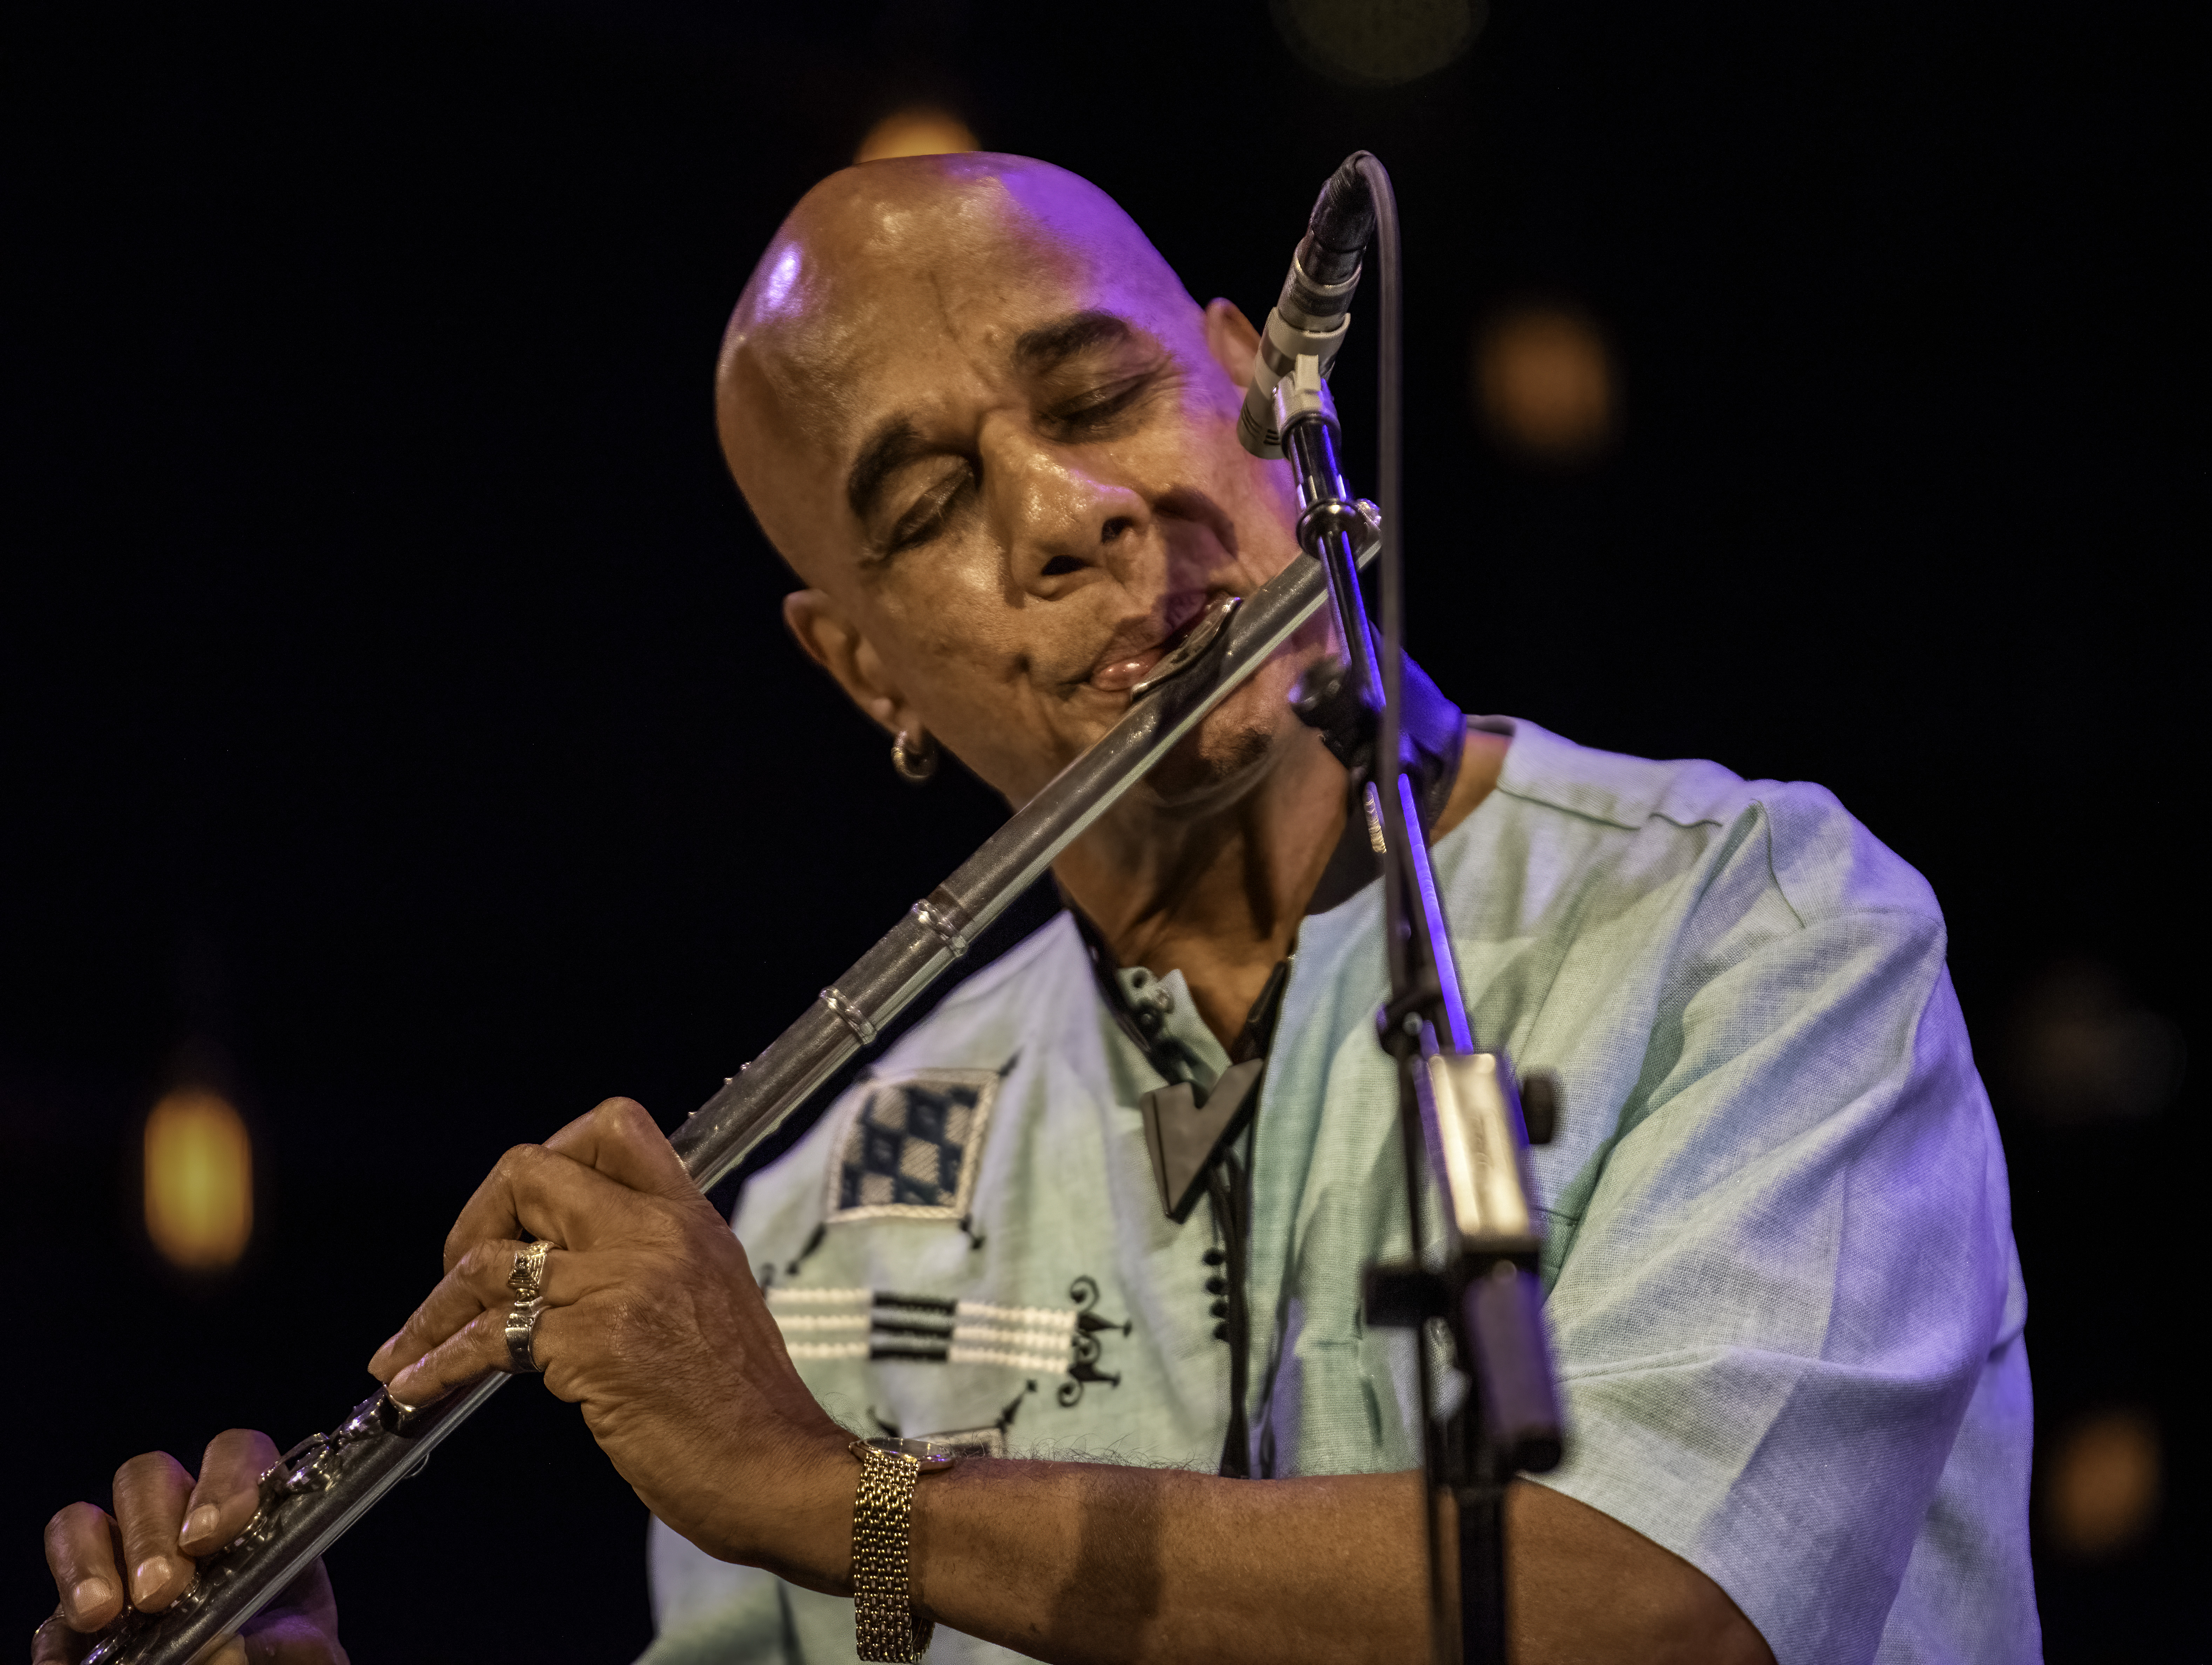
x: 996, y: 439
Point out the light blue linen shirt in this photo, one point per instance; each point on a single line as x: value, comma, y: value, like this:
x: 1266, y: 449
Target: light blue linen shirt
x: 1781, y: 1287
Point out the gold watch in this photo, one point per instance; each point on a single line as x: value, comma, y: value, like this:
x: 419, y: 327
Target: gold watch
x: 885, y: 1627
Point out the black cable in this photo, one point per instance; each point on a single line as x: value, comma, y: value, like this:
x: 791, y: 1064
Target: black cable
x: 1389, y: 469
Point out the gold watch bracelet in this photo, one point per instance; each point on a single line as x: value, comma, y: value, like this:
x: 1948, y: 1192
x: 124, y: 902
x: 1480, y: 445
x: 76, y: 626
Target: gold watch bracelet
x: 885, y: 1625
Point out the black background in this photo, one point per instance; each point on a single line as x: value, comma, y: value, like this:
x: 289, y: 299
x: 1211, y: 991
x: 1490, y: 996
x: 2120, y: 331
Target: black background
x: 395, y: 700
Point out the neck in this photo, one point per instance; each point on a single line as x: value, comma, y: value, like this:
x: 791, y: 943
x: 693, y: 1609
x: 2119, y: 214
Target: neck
x: 1216, y: 894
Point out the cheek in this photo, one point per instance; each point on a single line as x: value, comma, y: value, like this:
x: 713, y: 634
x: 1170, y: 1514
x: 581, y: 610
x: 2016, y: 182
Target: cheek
x: 1259, y: 495
x: 953, y: 624
x: 965, y: 661
x: 1265, y: 507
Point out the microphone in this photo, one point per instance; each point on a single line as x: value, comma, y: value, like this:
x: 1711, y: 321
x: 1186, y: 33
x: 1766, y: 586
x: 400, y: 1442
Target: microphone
x: 1310, y: 319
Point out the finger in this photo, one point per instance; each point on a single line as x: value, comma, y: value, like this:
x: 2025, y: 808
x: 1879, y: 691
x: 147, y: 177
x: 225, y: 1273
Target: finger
x: 228, y: 1490
x: 547, y: 1195
x: 80, y: 1554
x: 149, y: 1505
x: 308, y: 1596
x: 476, y: 1349
x: 621, y: 1140
x: 292, y: 1638
x: 561, y: 1335
x: 57, y: 1642
x: 618, y: 1138
x: 478, y: 1283
x: 562, y: 1344
x: 298, y: 1628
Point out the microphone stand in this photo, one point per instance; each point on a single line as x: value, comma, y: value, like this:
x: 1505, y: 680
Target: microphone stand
x: 1461, y: 1112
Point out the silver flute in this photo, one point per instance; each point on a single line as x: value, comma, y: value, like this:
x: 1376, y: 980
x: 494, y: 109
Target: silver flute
x: 327, y: 1482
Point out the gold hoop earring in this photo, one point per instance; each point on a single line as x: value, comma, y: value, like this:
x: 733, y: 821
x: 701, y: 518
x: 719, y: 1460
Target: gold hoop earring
x: 915, y: 762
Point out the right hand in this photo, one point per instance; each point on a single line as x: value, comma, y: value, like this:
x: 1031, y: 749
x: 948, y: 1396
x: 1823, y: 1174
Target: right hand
x: 164, y: 1518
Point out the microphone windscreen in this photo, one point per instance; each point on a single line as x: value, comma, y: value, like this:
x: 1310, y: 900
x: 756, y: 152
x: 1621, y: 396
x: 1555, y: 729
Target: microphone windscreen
x: 1343, y: 220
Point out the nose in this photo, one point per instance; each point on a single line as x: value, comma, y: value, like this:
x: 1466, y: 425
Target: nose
x: 1068, y: 524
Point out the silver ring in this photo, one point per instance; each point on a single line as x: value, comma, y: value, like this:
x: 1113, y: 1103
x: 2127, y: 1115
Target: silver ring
x: 521, y: 1334
x: 527, y: 1281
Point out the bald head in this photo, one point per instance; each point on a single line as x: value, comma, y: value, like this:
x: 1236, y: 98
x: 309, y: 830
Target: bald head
x: 977, y: 412
x: 882, y: 261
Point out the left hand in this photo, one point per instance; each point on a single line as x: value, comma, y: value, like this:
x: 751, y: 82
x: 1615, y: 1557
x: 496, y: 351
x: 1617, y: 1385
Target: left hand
x: 653, y: 1323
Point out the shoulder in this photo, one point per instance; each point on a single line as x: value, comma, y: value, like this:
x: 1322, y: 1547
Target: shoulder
x: 1793, y: 834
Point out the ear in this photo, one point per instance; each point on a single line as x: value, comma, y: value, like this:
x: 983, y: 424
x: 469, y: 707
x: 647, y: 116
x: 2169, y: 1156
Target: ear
x: 1232, y: 341
x: 834, y: 642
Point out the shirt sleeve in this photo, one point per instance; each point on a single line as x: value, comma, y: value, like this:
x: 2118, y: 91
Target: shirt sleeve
x: 1781, y: 1279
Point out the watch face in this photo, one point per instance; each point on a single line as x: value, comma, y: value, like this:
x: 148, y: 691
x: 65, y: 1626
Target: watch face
x: 928, y: 1454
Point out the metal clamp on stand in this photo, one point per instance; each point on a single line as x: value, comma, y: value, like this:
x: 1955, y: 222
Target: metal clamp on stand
x: 1487, y: 1295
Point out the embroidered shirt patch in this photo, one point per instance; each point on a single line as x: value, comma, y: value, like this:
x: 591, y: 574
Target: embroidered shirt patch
x: 909, y: 1147
x: 924, y: 1329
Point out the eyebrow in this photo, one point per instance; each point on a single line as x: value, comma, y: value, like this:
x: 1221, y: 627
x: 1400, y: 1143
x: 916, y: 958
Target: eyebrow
x: 1050, y: 344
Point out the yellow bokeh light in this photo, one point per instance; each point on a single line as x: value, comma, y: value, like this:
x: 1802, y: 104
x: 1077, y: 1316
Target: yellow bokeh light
x: 1545, y: 383
x: 199, y: 1180
x: 1379, y: 43
x: 923, y: 130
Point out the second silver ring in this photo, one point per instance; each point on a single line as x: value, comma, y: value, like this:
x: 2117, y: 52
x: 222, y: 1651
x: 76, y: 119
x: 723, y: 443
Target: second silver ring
x: 522, y: 1335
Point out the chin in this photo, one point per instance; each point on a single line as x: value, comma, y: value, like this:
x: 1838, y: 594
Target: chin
x: 1230, y: 750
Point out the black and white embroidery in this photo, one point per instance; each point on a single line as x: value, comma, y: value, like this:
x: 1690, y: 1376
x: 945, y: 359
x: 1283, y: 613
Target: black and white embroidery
x: 988, y: 1440
x: 866, y: 1323
x: 910, y: 1148
x: 1090, y: 1328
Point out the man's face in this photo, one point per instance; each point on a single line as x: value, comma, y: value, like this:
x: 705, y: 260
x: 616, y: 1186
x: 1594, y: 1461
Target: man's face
x: 982, y: 419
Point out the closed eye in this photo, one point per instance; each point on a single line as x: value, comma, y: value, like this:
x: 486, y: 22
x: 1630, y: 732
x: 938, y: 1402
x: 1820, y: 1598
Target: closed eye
x: 1100, y: 408
x: 930, y: 512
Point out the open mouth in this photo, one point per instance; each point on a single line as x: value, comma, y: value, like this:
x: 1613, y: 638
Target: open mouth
x: 1119, y: 672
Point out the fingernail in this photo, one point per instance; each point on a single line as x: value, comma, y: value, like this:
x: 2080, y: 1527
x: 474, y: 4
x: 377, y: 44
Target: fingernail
x: 152, y: 1572
x: 88, y: 1596
x: 199, y: 1523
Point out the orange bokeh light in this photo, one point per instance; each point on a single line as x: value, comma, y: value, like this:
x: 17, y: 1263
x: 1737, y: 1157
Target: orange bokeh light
x: 2100, y: 1484
x: 923, y: 130
x: 1545, y: 383
x: 199, y: 1180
